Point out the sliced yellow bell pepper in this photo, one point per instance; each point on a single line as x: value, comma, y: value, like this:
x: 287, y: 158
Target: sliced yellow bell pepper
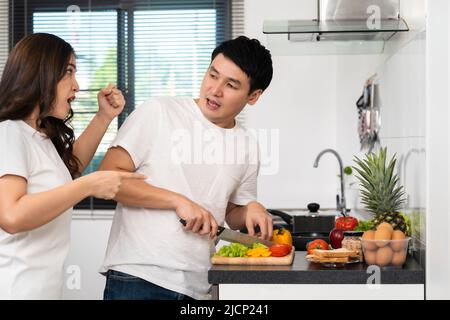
x: 258, y: 252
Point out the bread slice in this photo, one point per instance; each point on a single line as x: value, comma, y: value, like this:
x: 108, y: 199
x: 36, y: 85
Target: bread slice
x: 337, y: 253
x: 314, y: 258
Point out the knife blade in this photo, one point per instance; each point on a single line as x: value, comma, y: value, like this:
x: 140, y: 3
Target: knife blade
x: 235, y: 236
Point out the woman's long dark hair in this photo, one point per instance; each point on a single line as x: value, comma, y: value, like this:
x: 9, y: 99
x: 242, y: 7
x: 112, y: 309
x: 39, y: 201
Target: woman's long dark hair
x: 30, y: 77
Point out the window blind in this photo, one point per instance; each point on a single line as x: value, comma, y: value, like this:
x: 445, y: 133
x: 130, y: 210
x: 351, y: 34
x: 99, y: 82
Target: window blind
x: 238, y: 29
x: 3, y: 34
x: 172, y: 51
x: 147, y: 47
x: 95, y: 46
x: 237, y: 18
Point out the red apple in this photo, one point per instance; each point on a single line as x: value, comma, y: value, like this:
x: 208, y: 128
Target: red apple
x: 336, y: 237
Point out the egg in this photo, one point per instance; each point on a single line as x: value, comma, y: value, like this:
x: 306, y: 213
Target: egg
x: 383, y: 234
x: 370, y: 256
x: 385, y: 225
x: 369, y: 245
x: 384, y: 256
x: 399, y: 244
x: 399, y: 258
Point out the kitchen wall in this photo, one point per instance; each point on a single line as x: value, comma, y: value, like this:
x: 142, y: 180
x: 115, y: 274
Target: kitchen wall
x: 87, y: 250
x: 311, y: 101
x: 403, y: 108
x: 438, y: 146
x: 401, y: 75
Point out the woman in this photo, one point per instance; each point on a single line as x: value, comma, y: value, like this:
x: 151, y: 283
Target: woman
x: 39, y: 157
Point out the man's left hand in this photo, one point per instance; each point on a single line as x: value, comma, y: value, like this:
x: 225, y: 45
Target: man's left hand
x: 257, y: 215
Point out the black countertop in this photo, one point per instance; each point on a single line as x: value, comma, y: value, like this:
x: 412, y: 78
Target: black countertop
x: 304, y: 272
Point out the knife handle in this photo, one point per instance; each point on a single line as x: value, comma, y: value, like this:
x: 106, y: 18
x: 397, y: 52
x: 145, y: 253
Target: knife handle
x: 219, y: 228
x: 257, y: 230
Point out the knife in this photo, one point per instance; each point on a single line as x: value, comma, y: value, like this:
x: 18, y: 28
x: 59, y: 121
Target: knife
x: 235, y: 236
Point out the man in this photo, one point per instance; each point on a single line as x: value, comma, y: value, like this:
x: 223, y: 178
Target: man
x: 201, y: 167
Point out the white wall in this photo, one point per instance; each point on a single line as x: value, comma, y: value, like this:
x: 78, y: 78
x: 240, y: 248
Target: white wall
x: 312, y: 102
x: 352, y: 72
x: 402, y: 78
x: 402, y: 87
x: 403, y: 90
x: 87, y: 250
x: 438, y: 146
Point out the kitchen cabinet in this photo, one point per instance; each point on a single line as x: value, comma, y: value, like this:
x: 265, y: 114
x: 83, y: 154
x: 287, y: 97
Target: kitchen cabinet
x: 320, y: 292
x: 305, y: 280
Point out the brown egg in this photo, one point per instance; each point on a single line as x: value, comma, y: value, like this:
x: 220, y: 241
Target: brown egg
x: 382, y: 234
x: 370, y: 256
x: 385, y: 225
x: 399, y: 258
x: 384, y: 256
x: 369, y: 245
x: 400, y: 243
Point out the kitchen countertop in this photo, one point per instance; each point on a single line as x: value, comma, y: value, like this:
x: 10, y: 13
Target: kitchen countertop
x: 304, y: 272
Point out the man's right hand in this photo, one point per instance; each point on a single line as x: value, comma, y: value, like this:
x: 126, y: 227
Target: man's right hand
x: 198, y: 219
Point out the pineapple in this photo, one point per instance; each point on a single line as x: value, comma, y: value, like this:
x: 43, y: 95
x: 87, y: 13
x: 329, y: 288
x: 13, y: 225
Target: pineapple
x: 380, y: 192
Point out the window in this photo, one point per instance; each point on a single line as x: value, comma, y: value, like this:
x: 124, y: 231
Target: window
x: 148, y: 48
x: 3, y: 34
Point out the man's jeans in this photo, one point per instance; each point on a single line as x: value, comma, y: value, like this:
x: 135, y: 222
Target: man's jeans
x: 122, y: 286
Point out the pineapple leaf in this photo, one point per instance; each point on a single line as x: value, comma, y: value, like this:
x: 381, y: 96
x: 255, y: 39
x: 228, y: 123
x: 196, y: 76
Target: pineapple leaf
x: 379, y: 186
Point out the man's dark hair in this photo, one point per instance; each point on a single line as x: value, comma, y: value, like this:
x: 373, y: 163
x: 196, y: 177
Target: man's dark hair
x: 252, y: 57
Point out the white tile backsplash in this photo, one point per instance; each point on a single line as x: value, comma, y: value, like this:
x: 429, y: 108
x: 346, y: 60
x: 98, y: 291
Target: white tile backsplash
x: 402, y: 83
x: 410, y: 154
x: 402, y: 90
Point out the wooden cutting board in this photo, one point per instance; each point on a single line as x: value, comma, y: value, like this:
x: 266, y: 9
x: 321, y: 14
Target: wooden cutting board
x: 260, y: 261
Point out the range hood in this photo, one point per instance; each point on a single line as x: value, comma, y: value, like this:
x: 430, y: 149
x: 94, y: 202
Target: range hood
x: 344, y: 20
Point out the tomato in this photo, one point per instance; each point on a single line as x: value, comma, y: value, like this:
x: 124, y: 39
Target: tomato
x: 282, y: 236
x: 280, y: 250
x: 346, y: 223
x: 317, y: 244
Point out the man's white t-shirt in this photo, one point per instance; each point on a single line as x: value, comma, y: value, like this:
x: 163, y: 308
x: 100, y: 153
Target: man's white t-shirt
x: 31, y: 263
x: 177, y: 148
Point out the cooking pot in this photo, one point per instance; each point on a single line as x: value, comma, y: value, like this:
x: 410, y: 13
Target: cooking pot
x: 305, y: 228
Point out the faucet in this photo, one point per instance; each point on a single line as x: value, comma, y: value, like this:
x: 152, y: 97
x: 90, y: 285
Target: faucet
x: 340, y: 204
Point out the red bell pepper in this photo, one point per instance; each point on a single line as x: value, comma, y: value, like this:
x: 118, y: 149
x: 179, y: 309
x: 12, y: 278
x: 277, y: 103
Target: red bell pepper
x: 346, y: 223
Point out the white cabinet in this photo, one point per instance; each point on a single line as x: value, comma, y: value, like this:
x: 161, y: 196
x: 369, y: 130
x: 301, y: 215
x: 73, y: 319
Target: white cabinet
x: 321, y: 291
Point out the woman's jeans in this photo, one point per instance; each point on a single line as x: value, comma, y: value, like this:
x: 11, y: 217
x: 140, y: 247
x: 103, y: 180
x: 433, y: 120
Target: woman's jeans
x: 122, y: 286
